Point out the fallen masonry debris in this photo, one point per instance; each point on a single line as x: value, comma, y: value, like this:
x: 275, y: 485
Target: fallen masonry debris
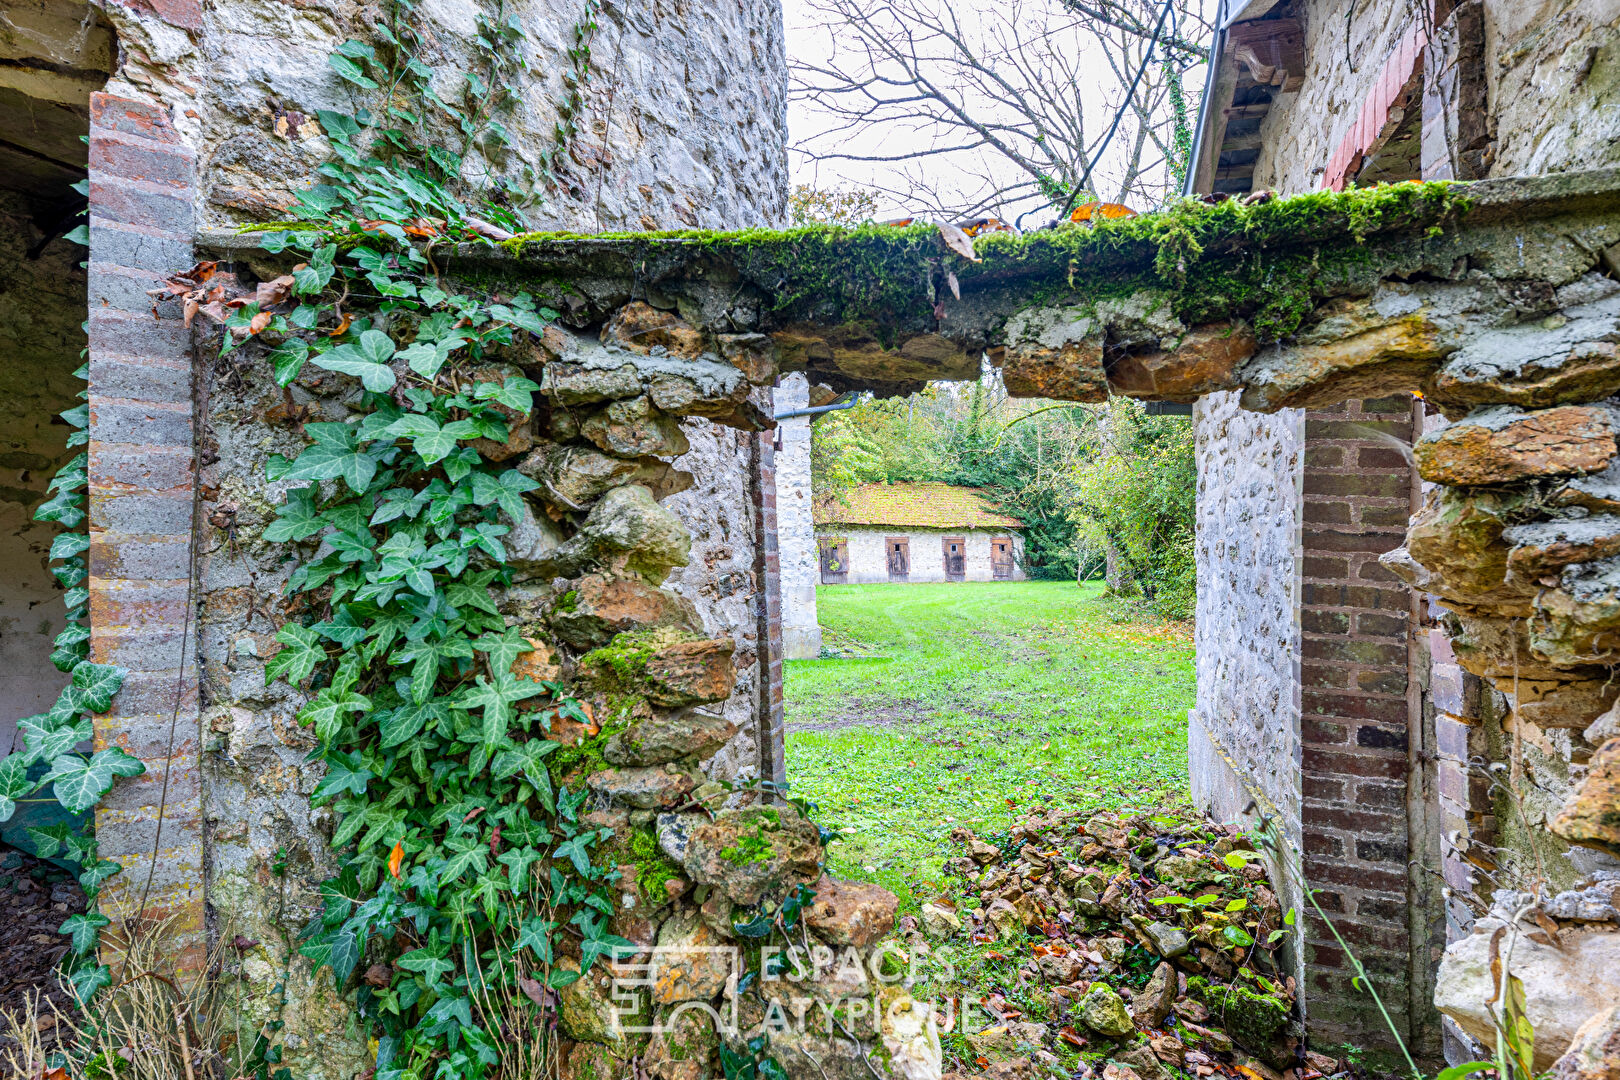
x: 1129, y: 946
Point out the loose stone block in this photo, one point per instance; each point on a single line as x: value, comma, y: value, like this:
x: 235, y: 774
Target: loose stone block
x: 1506, y: 444
x: 1204, y: 361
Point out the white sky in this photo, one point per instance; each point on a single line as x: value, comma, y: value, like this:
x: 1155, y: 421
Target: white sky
x: 959, y: 172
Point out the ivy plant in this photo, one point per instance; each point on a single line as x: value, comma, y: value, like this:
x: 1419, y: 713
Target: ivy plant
x: 75, y: 778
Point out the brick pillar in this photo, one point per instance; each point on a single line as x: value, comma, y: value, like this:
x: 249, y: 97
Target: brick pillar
x: 141, y: 511
x: 768, y: 572
x: 1361, y: 714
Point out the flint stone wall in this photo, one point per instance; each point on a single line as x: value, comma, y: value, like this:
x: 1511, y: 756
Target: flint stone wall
x: 795, y: 523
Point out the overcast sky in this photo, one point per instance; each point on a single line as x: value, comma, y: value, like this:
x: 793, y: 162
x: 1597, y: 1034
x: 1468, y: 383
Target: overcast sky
x: 961, y: 172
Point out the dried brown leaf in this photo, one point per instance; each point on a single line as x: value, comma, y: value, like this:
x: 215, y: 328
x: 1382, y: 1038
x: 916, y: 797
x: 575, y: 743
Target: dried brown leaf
x: 956, y: 291
x: 958, y: 241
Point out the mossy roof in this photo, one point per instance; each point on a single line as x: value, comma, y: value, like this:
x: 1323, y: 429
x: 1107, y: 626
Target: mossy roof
x: 913, y: 506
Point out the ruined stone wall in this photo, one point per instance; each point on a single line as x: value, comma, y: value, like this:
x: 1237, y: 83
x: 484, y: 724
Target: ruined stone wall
x: 682, y: 124
x: 1249, y: 474
x: 1552, y: 76
x: 1549, y: 72
x: 42, y: 300
x: 796, y: 530
x: 684, y: 118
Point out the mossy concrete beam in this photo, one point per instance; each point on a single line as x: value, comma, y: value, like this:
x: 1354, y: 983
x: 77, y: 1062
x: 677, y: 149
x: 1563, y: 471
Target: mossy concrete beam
x: 1300, y: 300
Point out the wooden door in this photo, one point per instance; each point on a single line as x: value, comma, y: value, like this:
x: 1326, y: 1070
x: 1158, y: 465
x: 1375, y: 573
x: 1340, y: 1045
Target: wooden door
x: 834, y: 560
x: 955, y: 558
x: 899, y: 551
x: 1001, y: 558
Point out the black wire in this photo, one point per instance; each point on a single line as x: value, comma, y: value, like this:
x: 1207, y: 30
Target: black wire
x: 1120, y: 115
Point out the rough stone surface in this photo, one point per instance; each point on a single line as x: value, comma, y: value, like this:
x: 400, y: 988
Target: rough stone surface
x: 1542, y: 549
x: 635, y: 428
x: 1594, y: 1052
x: 1503, y: 444
x: 940, y: 922
x: 663, y: 739
x: 1168, y: 941
x: 626, y: 530
x: 1592, y: 815
x: 1205, y: 361
x: 641, y: 328
x: 850, y: 913
x: 1563, y: 986
x: 691, y: 672
x: 644, y: 789
x: 573, y: 477
x: 1249, y: 475
x: 598, y: 606
x: 691, y: 964
x: 751, y: 853
x: 1152, y: 1004
x: 1103, y: 1011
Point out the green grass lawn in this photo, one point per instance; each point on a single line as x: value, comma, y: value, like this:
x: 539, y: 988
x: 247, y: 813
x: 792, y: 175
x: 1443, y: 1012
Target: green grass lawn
x: 972, y: 703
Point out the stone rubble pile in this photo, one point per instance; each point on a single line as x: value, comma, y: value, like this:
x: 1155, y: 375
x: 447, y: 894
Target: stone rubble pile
x: 1146, y: 943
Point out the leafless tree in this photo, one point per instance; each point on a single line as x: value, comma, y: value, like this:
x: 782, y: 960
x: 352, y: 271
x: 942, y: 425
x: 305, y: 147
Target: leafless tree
x: 996, y: 105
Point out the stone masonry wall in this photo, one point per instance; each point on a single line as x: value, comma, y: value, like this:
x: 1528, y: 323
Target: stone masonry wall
x: 41, y: 308
x: 1553, y: 79
x: 683, y: 124
x: 684, y: 121
x: 801, y: 634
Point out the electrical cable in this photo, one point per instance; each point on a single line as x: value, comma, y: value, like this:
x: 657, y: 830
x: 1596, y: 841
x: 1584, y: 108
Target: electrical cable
x: 1130, y: 95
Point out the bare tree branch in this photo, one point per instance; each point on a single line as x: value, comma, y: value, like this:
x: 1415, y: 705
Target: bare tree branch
x: 997, y: 97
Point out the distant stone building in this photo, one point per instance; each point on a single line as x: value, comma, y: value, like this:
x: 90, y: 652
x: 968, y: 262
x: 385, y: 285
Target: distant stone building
x: 916, y: 532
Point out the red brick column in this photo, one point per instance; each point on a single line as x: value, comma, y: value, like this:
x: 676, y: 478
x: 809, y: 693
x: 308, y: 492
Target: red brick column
x: 141, y: 510
x: 768, y: 571
x: 1360, y: 714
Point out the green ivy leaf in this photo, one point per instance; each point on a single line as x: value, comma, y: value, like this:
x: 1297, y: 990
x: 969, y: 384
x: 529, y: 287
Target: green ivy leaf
x: 68, y: 545
x: 503, y: 649
x: 402, y: 724
x: 362, y: 361
x: 297, y: 519
x: 89, y: 979
x: 93, y: 687
x: 49, y: 840
x: 325, y: 461
x: 351, y: 71
x: 287, y: 360
x: 46, y: 741
x: 516, y: 393
x: 79, y: 784
x: 469, y: 852
x: 430, y: 963
x: 301, y: 651
x: 14, y: 784
x: 1237, y: 936
x: 496, y: 698
x: 344, y: 773
x: 327, y: 710
x: 84, y: 929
